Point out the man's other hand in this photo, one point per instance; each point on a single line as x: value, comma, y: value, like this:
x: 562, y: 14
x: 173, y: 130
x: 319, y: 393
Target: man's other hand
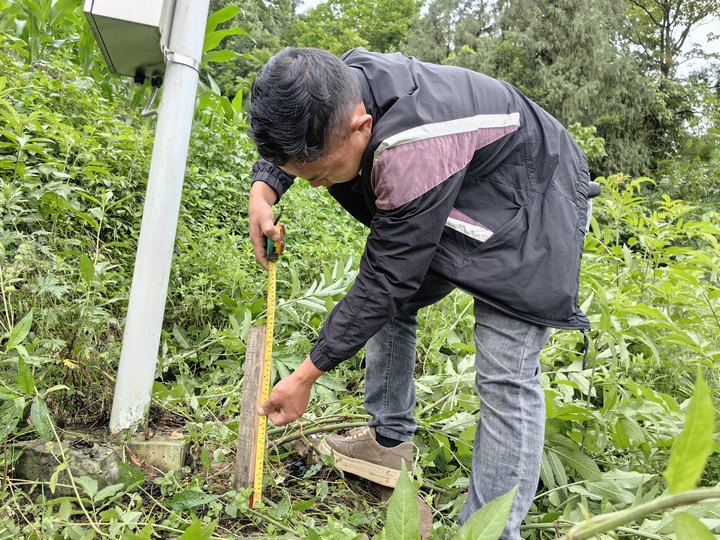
x: 289, y: 399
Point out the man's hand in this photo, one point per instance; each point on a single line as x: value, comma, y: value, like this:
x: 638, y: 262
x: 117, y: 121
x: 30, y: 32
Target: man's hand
x: 289, y: 399
x: 262, y: 225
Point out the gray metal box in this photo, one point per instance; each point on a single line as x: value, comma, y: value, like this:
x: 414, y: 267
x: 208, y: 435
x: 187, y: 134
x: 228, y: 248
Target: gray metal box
x: 131, y: 33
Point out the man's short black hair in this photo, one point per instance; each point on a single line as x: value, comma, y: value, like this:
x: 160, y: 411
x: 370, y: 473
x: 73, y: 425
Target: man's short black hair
x: 298, y: 101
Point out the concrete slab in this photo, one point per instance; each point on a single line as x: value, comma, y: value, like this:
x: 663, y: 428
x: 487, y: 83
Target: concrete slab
x: 92, y: 454
x: 162, y: 452
x: 39, y: 460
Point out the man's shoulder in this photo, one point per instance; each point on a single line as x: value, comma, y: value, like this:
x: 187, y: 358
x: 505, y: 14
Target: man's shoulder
x: 363, y: 57
x: 357, y: 52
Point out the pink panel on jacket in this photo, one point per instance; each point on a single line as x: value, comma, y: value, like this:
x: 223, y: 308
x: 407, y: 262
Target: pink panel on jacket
x: 404, y: 172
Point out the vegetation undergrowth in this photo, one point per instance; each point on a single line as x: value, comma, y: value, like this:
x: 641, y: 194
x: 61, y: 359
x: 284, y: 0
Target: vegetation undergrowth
x: 74, y: 155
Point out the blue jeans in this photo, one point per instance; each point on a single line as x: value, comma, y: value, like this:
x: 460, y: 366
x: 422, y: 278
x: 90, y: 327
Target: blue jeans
x: 510, y: 433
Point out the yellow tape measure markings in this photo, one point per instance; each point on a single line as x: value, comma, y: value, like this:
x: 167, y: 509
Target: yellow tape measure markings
x: 265, y: 387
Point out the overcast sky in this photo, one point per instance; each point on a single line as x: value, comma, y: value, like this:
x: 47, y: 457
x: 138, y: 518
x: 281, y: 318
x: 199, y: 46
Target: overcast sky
x: 700, y: 36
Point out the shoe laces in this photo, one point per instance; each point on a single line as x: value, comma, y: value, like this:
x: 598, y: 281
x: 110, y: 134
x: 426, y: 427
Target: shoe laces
x: 358, y: 432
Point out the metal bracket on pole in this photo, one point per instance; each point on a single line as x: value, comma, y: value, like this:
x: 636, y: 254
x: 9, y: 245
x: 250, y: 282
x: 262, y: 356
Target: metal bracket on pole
x: 174, y: 58
x: 178, y: 58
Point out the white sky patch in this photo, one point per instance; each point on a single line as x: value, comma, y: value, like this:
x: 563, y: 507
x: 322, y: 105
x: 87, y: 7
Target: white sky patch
x: 700, y: 35
x: 307, y: 5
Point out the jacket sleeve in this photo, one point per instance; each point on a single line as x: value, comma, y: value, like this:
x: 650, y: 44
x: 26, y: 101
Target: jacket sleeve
x: 398, y: 253
x: 264, y: 171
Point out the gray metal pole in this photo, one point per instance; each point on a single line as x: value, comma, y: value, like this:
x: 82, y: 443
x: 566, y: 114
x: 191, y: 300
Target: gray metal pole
x: 148, y: 292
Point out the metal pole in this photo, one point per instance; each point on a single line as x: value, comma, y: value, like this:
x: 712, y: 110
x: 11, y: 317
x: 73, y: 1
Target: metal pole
x: 148, y: 292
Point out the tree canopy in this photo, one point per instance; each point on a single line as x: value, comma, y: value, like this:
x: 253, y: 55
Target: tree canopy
x: 661, y: 28
x: 339, y: 25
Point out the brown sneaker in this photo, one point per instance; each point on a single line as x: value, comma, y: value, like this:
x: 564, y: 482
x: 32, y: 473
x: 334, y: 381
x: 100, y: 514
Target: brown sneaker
x: 359, y: 453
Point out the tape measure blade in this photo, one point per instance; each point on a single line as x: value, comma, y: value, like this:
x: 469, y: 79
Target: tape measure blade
x: 265, y: 386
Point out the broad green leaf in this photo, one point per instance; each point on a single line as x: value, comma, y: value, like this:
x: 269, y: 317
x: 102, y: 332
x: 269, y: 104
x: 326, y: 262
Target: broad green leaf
x: 107, y: 492
x: 87, y: 268
x: 89, y: 485
x: 196, y: 531
x: 224, y: 55
x: 60, y: 8
x: 56, y: 473
x: 11, y: 412
x: 692, y: 448
x: 237, y: 101
x: 213, y: 39
x: 557, y: 468
x: 688, y: 526
x: 282, y: 508
x: 205, y: 458
x: 302, y: 506
x: 571, y: 455
x: 489, y: 522
x: 546, y: 472
x: 634, y: 432
x: 190, y: 499
x: 221, y: 16
x: 40, y: 419
x: 604, y: 490
x: 19, y: 332
x: 87, y: 218
x: 312, y: 304
x: 55, y: 388
x: 215, y: 88
x: 65, y: 510
x: 403, y: 521
x: 26, y: 381
x: 179, y: 335
x: 145, y: 534
x: 54, y: 478
x: 129, y: 475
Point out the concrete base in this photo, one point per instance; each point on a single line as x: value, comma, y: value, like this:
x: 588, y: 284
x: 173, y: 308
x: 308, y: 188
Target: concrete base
x: 39, y: 460
x: 163, y: 452
x: 88, y: 454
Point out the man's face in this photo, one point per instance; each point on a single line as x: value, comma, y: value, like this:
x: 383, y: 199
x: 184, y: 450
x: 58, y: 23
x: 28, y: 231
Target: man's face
x: 341, y: 162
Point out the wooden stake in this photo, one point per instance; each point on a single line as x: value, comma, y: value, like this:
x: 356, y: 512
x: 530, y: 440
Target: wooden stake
x: 247, y: 430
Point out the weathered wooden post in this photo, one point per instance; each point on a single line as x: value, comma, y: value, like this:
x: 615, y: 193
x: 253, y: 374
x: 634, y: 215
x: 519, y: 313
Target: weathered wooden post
x: 248, y: 428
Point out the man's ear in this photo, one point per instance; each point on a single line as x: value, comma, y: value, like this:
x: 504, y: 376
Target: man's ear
x: 361, y: 120
x: 364, y: 124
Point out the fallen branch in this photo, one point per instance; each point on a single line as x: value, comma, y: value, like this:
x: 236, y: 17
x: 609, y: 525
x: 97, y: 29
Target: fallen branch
x: 608, y: 522
x: 334, y: 418
x: 306, y: 432
x: 556, y: 525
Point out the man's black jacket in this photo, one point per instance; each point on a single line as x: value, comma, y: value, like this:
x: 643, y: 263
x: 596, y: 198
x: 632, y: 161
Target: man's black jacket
x: 464, y: 177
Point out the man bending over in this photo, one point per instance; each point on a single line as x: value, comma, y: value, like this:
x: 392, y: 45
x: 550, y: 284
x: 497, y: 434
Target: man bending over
x: 463, y: 183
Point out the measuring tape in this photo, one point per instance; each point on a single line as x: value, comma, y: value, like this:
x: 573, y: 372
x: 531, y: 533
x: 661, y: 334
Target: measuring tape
x: 273, y: 251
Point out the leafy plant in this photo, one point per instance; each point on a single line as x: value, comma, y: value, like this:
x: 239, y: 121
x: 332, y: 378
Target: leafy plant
x: 689, y: 454
x: 403, y: 521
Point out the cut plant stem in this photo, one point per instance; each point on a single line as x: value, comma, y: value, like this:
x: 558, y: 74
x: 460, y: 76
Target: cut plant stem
x: 319, y: 429
x: 608, y: 522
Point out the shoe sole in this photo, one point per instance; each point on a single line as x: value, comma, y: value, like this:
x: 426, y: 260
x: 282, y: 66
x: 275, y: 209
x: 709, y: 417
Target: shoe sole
x: 379, y: 474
